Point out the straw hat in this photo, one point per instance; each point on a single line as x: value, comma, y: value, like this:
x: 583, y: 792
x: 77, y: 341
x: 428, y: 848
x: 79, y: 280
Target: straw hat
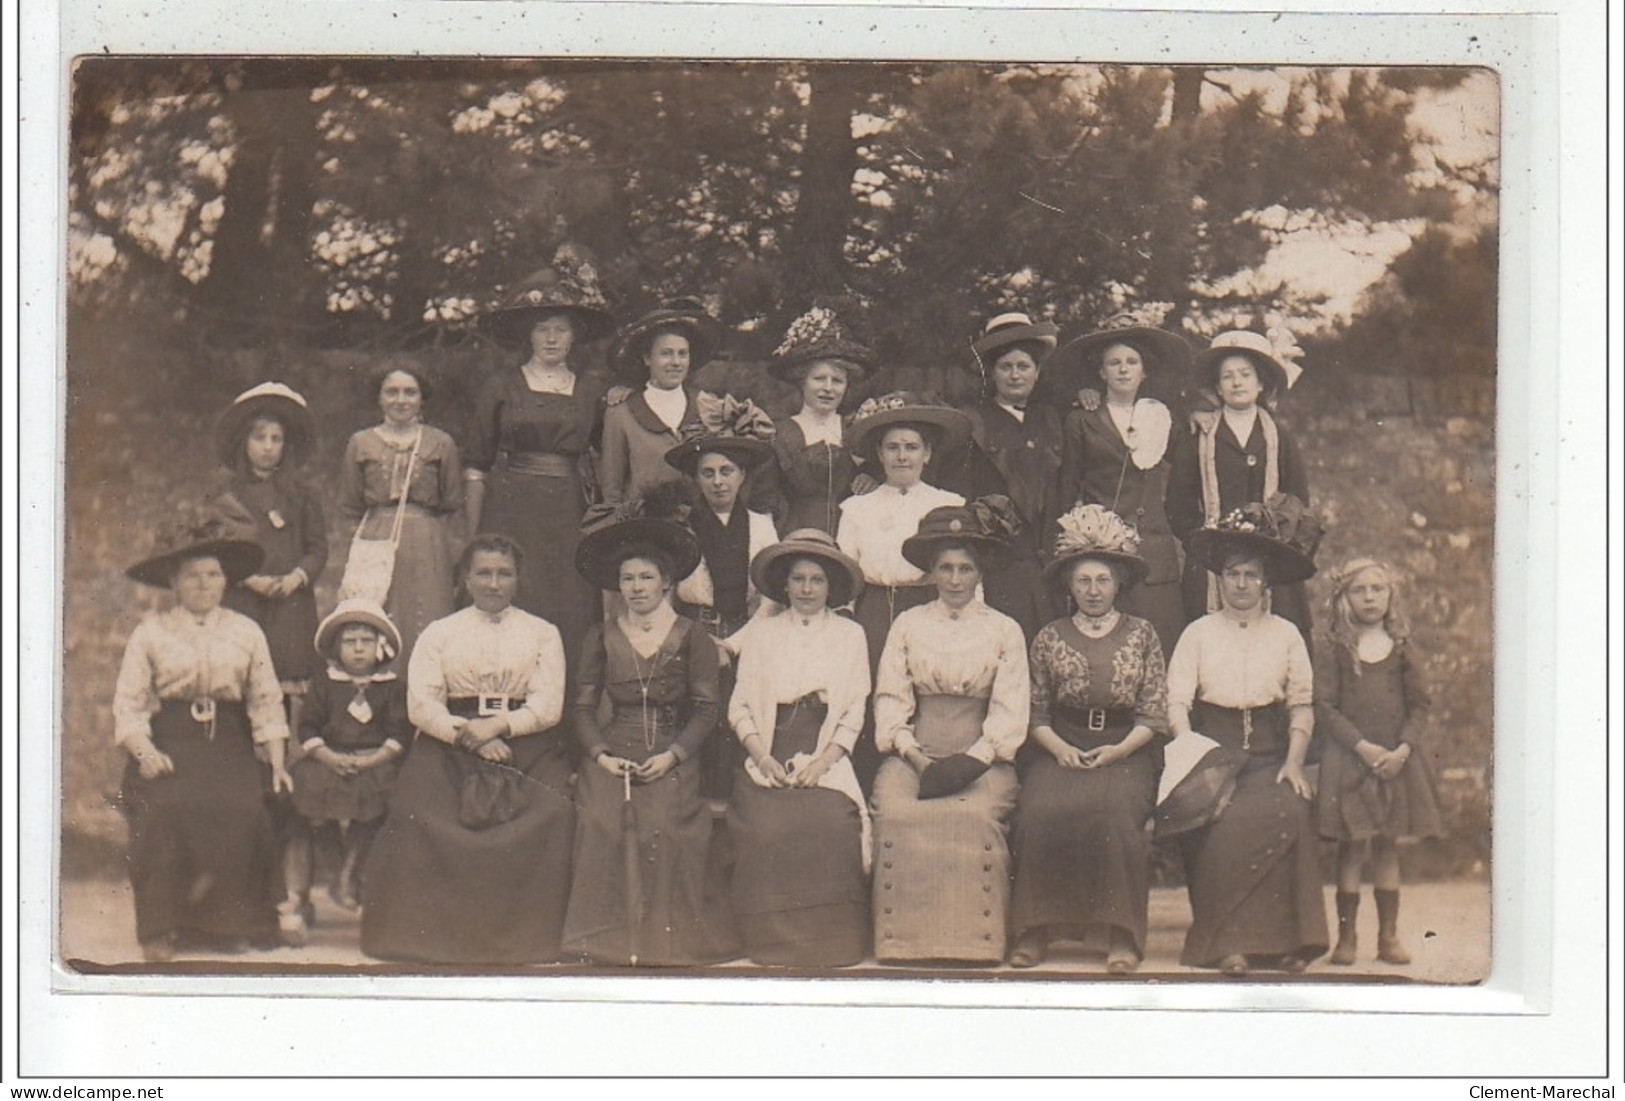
x: 815, y: 335
x: 1283, y: 534
x: 988, y: 523
x: 1273, y: 356
x: 948, y: 428
x: 684, y: 315
x: 1092, y: 531
x: 1014, y: 328
x: 357, y: 610
x: 275, y: 401
x: 770, y: 569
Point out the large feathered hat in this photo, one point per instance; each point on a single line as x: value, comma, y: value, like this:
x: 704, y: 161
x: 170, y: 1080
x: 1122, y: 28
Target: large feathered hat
x: 1093, y: 531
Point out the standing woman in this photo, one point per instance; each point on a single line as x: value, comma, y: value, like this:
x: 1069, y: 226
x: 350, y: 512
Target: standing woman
x: 1241, y: 677
x: 407, y: 468
x: 473, y: 862
x: 797, y: 819
x: 1116, y: 455
x: 1018, y: 455
x: 655, y: 354
x: 643, y: 830
x: 951, y: 709
x: 1239, y: 455
x: 897, y: 435
x: 538, y: 421
x: 813, y: 468
x: 263, y: 439
x: 1099, y: 708
x: 195, y: 694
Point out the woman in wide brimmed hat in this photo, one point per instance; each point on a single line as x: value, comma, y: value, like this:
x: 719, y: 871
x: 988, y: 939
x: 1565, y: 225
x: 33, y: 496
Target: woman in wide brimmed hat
x: 1089, y: 785
x: 527, y: 461
x: 352, y: 732
x: 473, y: 863
x: 655, y: 355
x: 196, y: 693
x: 1238, y: 455
x: 659, y: 672
x: 1241, y: 677
x: 1117, y: 454
x: 406, y: 473
x: 951, y: 705
x: 797, y: 819
x: 721, y: 459
x: 263, y: 439
x: 897, y: 437
x: 813, y: 468
x: 1017, y: 453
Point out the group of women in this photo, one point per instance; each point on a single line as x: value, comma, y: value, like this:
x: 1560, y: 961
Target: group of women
x: 932, y: 717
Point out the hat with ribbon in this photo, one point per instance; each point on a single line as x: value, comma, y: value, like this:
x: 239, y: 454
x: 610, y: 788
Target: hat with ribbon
x: 610, y: 534
x: 196, y: 534
x: 568, y: 286
x: 681, y: 315
x: 1283, y: 533
x: 357, y: 611
x: 817, y: 335
x: 727, y: 426
x: 770, y: 569
x: 947, y: 428
x: 1274, y: 354
x: 989, y: 523
x: 271, y: 400
x: 1093, y: 531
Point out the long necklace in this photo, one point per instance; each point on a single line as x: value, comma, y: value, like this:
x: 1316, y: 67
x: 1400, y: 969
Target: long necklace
x: 644, y: 683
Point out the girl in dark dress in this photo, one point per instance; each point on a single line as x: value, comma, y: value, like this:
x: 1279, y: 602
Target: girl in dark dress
x: 1376, y: 779
x: 263, y: 439
x: 196, y: 693
x: 527, y: 459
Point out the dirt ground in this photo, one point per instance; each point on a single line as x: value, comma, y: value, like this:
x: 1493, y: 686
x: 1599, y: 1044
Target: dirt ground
x: 1445, y: 925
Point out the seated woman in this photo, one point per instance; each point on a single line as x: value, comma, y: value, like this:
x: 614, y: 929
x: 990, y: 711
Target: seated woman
x: 195, y: 694
x: 951, y: 707
x: 797, y: 820
x: 642, y: 840
x: 1099, y: 705
x: 473, y: 862
x: 1241, y: 677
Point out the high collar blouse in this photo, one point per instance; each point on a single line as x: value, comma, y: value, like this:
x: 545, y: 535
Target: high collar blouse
x: 176, y: 655
x: 784, y: 657
x: 973, y: 651
x: 1226, y: 662
x: 470, y: 653
x: 874, y: 525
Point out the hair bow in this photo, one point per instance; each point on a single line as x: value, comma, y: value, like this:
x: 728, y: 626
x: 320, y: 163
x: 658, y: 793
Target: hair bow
x: 1284, y: 346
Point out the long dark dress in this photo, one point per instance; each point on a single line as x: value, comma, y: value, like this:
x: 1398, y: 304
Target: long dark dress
x: 1097, y: 468
x: 812, y: 480
x: 1081, y: 851
x: 1240, y: 472
x: 1022, y: 460
x: 677, y: 922
x: 448, y: 880
x: 1383, y: 702
x: 532, y: 447
x: 201, y: 843
x: 289, y: 525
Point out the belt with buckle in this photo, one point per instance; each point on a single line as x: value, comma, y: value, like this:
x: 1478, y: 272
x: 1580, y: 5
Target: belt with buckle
x: 483, y: 705
x: 1097, y: 719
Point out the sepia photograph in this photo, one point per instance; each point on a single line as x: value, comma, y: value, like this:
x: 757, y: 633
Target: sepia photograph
x: 797, y: 527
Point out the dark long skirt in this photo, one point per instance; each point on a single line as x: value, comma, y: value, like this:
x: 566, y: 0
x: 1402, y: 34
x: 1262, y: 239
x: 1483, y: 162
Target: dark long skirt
x: 438, y: 891
x: 681, y: 921
x: 1253, y: 876
x: 542, y: 512
x: 1081, y: 851
x: 202, y: 851
x: 799, y: 890
x: 942, y: 866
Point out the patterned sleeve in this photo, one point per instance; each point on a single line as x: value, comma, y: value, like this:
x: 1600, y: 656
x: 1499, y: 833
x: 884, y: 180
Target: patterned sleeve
x: 1009, y: 705
x: 1151, y: 701
x: 894, y: 693
x: 135, y: 700
x: 1043, y: 688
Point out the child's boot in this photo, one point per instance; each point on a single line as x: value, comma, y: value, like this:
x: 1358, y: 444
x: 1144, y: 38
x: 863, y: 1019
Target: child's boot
x: 1389, y: 950
x: 1348, y: 908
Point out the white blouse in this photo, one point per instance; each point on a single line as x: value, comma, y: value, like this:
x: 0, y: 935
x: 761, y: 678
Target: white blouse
x: 975, y: 651
x: 470, y: 653
x: 1222, y: 662
x: 874, y: 525
x: 176, y: 655
x: 783, y: 657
